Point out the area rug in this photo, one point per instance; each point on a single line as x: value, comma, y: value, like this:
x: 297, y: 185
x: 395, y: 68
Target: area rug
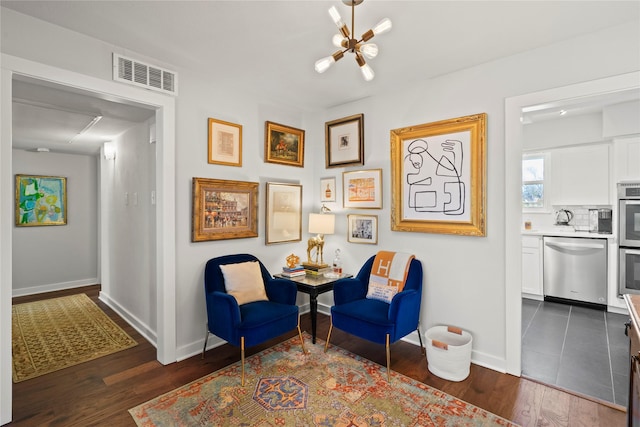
x: 56, y: 333
x: 285, y: 387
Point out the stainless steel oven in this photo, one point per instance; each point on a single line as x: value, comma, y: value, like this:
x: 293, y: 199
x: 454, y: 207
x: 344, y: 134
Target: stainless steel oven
x: 629, y: 237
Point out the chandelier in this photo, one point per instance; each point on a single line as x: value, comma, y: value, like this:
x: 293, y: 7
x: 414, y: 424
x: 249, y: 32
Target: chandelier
x: 346, y: 43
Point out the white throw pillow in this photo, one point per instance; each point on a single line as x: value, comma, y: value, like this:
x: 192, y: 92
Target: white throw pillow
x: 244, y: 281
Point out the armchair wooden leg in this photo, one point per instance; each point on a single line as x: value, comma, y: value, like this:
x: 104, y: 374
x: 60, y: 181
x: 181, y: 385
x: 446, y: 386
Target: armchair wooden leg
x: 388, y: 360
x: 206, y: 338
x: 242, y: 359
x: 420, y: 338
x: 326, y: 344
x: 304, y: 350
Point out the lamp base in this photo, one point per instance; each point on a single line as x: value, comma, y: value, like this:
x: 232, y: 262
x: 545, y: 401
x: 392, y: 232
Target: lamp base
x: 314, y: 266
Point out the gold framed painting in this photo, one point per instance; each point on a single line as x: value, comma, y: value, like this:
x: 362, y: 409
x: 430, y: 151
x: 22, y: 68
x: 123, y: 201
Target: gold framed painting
x: 439, y: 177
x: 362, y: 229
x: 344, y: 141
x: 40, y: 200
x: 225, y: 143
x: 283, y: 213
x: 224, y: 209
x: 283, y: 145
x: 362, y: 189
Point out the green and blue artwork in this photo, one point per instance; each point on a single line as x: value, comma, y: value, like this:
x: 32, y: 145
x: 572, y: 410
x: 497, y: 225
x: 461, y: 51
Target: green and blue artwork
x: 41, y: 200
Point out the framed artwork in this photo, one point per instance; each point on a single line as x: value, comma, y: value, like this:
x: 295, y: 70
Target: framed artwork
x: 362, y: 229
x: 344, y: 141
x: 328, y: 189
x: 362, y: 189
x: 41, y: 200
x: 284, y: 213
x: 283, y: 145
x: 225, y: 143
x: 439, y: 177
x: 224, y: 209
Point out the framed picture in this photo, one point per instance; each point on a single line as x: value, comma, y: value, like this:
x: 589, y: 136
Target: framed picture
x: 362, y: 189
x: 284, y: 213
x: 224, y: 209
x: 225, y: 143
x: 439, y: 177
x: 284, y: 145
x: 344, y: 141
x: 41, y: 200
x: 362, y: 229
x: 328, y: 189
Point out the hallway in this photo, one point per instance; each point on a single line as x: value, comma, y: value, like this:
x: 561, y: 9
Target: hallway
x: 576, y: 348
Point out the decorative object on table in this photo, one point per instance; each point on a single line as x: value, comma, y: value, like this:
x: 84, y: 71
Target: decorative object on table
x: 382, y: 303
x: 283, y: 215
x: 319, y: 224
x: 328, y: 189
x: 56, y: 333
x: 288, y: 388
x: 41, y: 200
x: 362, y: 229
x: 224, y: 209
x: 225, y: 143
x: 344, y: 141
x: 439, y: 177
x: 293, y: 260
x: 362, y: 189
x: 231, y: 282
x: 336, y: 267
x: 346, y: 43
x: 296, y: 271
x: 283, y: 145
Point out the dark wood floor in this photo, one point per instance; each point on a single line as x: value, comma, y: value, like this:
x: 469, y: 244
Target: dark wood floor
x: 101, y: 391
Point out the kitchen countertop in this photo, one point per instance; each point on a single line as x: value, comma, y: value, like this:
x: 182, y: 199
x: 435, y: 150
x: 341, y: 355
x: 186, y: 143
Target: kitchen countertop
x: 565, y: 231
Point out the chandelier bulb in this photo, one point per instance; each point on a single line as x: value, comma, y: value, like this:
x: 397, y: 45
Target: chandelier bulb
x: 338, y: 41
x: 367, y: 72
x: 323, y: 64
x: 382, y: 27
x: 369, y: 50
x: 335, y: 16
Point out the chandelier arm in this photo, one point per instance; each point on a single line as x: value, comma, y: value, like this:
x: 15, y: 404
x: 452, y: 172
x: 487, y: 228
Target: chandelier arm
x: 353, y: 17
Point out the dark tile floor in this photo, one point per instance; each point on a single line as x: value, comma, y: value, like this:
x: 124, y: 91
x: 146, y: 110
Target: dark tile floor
x: 576, y: 348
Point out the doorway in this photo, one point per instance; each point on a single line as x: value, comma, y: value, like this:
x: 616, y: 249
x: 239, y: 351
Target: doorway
x: 165, y: 213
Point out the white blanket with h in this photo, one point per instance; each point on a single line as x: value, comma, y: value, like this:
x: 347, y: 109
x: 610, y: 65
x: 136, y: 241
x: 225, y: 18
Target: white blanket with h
x: 388, y: 274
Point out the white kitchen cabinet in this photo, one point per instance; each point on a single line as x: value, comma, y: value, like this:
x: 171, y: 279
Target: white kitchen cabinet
x: 532, y: 267
x: 580, y: 175
x: 627, y: 158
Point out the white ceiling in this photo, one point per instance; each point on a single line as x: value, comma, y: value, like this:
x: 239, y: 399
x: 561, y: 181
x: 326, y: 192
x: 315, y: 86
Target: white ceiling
x: 271, y: 46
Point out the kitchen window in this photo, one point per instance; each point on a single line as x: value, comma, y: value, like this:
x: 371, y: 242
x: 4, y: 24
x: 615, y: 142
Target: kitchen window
x: 533, y: 182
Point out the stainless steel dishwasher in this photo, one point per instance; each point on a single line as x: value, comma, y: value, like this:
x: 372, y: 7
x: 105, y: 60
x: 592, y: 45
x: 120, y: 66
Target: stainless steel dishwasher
x: 575, y: 269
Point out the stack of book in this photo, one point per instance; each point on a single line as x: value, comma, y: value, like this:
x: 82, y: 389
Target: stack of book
x: 316, y: 270
x: 296, y: 271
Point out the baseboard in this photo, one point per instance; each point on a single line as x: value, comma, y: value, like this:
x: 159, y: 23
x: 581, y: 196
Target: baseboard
x: 132, y: 320
x: 52, y: 287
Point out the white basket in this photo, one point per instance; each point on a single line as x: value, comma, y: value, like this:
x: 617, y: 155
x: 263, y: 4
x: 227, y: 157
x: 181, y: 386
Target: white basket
x: 449, y: 352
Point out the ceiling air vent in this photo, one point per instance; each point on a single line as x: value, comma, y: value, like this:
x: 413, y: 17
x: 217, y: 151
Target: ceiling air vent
x: 131, y: 71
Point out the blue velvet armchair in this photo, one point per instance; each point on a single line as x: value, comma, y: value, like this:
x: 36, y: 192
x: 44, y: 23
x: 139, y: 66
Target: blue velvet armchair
x: 375, y: 320
x: 252, y: 323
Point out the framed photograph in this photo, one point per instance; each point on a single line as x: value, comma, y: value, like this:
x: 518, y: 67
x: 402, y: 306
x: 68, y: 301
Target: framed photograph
x: 328, y: 189
x: 362, y: 189
x: 284, y: 213
x: 41, y: 200
x: 362, y: 229
x: 224, y: 209
x: 283, y: 145
x: 225, y: 143
x: 439, y: 177
x: 344, y: 141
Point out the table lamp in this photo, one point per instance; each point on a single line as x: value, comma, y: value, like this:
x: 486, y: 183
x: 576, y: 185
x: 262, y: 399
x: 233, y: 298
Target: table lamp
x: 319, y: 224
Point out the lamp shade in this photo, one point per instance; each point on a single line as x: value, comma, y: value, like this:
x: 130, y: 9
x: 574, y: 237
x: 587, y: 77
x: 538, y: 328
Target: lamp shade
x: 321, y: 223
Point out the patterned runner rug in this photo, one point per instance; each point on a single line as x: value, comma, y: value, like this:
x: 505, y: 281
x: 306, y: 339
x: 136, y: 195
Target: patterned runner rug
x: 60, y: 332
x: 285, y: 387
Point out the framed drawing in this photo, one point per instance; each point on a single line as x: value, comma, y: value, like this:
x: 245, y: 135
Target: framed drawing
x: 284, y: 213
x: 224, y: 209
x: 225, y: 143
x: 344, y: 141
x: 328, y: 189
x: 41, y: 200
x: 362, y: 189
x: 362, y: 229
x: 283, y: 144
x: 439, y: 177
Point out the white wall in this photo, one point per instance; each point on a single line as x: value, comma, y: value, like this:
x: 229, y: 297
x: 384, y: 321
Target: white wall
x: 49, y: 258
x: 464, y: 276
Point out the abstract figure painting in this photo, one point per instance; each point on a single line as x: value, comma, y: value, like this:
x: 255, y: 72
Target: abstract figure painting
x: 41, y: 200
x: 438, y: 177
